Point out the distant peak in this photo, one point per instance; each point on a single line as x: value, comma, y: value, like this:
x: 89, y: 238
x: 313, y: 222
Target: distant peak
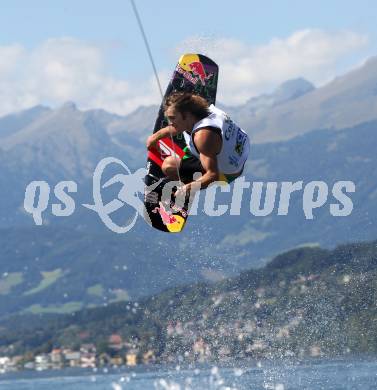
x: 293, y: 89
x: 69, y: 106
x: 371, y: 60
x: 40, y: 107
x: 289, y: 90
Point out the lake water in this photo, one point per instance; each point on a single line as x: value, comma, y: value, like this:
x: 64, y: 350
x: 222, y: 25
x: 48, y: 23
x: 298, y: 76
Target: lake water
x: 283, y: 375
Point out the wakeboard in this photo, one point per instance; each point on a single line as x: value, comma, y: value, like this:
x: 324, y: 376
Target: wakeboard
x: 194, y: 73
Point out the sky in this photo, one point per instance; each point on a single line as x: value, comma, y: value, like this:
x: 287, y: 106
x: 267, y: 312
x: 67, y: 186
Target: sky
x: 92, y: 52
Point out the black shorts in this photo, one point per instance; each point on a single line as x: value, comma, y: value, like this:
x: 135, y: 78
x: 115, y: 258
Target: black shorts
x: 189, y: 166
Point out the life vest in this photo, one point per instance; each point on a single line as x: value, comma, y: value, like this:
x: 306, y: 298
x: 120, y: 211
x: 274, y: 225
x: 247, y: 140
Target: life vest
x: 235, y: 142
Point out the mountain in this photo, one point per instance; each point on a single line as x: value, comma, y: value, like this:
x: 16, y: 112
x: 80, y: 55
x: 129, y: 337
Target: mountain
x: 59, y: 270
x: 295, y: 107
x: 11, y: 124
x: 305, y: 302
x: 56, y: 145
x: 67, y: 144
x: 70, y: 140
x: 209, y: 248
x: 138, y: 123
x: 256, y: 106
x: 347, y: 101
x: 292, y: 89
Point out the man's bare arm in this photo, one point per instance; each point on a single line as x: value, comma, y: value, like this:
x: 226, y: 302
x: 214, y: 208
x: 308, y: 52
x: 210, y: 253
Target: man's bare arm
x: 162, y: 133
x: 209, y: 145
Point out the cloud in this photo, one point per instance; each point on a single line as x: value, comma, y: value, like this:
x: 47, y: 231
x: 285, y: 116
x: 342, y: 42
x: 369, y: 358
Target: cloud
x: 65, y: 69
x: 248, y: 71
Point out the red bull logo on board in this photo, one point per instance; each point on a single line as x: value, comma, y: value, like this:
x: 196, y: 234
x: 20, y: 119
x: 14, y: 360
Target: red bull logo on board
x: 192, y: 69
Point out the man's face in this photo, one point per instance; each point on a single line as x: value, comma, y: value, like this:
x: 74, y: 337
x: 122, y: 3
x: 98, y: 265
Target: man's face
x: 177, y: 120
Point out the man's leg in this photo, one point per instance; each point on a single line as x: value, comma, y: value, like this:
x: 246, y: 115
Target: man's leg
x: 171, y: 166
x: 188, y: 166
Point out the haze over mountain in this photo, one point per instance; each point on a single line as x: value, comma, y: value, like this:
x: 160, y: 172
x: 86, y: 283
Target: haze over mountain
x: 296, y: 107
x: 67, y: 144
x: 348, y: 100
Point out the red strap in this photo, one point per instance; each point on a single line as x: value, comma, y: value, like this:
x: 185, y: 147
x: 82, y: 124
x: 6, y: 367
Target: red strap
x: 167, y: 149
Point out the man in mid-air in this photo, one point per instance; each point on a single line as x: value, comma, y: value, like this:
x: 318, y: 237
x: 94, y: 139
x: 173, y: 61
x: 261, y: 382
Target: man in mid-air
x: 216, y: 147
